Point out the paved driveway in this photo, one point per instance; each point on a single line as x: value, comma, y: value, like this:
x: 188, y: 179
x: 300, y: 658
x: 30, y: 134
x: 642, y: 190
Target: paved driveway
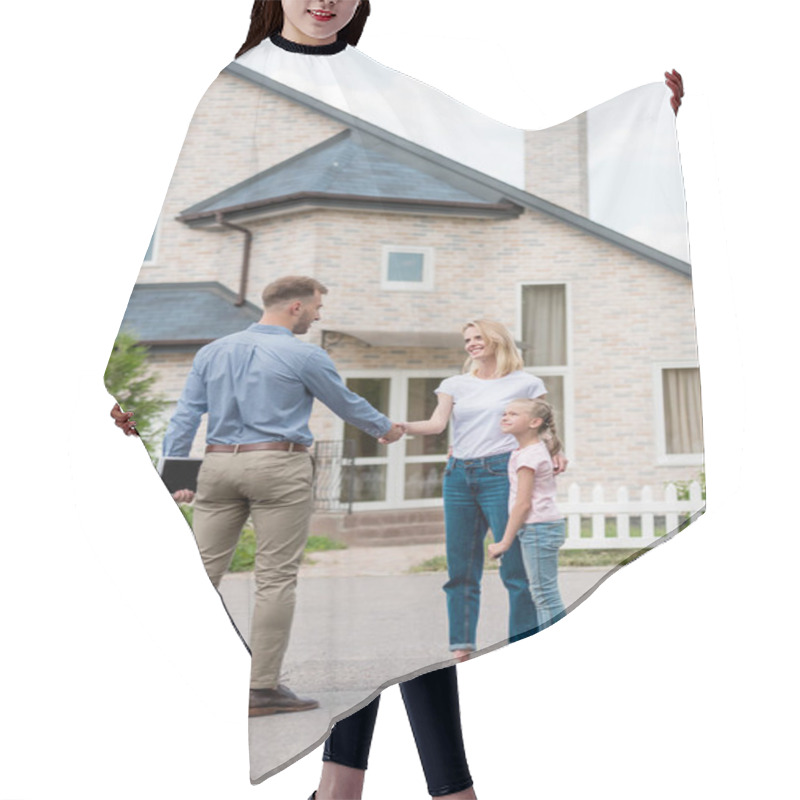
x: 353, y: 635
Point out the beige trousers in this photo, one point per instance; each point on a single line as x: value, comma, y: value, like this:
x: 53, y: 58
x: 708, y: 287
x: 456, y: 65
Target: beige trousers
x: 274, y: 487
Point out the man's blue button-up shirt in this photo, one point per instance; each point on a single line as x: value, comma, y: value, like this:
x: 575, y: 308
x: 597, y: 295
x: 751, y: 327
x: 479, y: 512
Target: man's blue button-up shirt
x: 259, y: 386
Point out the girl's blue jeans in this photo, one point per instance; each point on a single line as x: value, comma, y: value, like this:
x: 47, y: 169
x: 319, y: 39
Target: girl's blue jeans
x: 540, y: 543
x: 475, y: 499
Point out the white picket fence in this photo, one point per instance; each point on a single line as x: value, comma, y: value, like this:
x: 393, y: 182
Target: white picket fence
x: 619, y: 511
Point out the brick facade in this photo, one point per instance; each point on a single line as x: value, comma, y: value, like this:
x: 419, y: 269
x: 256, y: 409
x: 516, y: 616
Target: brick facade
x: 626, y: 314
x: 556, y: 164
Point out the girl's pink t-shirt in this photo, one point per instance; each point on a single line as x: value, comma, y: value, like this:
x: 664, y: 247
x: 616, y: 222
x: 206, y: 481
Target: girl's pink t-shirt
x: 543, y: 505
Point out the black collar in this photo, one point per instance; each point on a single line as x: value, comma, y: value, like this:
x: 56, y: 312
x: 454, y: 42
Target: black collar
x: 308, y: 49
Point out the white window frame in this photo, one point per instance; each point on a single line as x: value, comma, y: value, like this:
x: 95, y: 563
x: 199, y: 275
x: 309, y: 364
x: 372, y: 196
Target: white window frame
x: 662, y: 457
x: 428, y: 269
x: 395, y: 458
x: 564, y: 371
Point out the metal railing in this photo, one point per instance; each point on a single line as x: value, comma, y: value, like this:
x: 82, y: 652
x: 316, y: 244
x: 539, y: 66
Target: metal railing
x: 334, y: 476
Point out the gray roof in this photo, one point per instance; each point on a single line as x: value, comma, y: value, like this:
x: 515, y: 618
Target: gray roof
x: 512, y: 193
x: 185, y: 314
x: 354, y: 169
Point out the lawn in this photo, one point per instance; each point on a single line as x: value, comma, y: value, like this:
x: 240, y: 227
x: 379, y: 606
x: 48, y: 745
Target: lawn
x: 244, y: 557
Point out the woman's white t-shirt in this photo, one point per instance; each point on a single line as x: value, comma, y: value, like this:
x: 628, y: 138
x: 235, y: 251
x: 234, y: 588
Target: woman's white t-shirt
x: 478, y: 406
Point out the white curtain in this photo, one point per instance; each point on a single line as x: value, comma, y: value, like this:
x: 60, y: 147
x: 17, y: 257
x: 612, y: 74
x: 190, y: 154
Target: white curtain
x: 544, y: 325
x: 683, y: 419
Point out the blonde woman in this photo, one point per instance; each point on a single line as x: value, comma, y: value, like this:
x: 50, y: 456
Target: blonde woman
x: 476, y: 477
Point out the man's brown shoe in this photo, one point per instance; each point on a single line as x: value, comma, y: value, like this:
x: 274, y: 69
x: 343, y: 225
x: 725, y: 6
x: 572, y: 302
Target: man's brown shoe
x: 278, y: 701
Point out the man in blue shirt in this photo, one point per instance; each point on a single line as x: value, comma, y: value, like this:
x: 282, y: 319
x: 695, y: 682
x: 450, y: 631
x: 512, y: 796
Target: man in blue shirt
x: 258, y: 387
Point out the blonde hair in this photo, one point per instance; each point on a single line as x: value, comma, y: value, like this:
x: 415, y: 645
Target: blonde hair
x: 541, y: 409
x: 502, y: 342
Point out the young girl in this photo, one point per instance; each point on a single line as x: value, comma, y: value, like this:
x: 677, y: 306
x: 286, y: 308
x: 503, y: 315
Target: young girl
x: 533, y: 515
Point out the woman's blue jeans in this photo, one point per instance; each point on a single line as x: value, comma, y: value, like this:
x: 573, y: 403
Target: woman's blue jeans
x: 540, y: 543
x: 475, y: 499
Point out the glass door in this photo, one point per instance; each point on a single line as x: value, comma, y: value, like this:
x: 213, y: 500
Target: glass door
x: 369, y: 474
x: 407, y: 473
x: 425, y: 456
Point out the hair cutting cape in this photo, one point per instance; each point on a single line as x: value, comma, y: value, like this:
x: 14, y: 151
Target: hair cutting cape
x: 419, y: 214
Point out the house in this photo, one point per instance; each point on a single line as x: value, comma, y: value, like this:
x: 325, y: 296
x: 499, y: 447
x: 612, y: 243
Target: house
x: 412, y: 244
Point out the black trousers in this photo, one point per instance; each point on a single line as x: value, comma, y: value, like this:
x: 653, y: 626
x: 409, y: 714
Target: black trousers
x: 432, y: 706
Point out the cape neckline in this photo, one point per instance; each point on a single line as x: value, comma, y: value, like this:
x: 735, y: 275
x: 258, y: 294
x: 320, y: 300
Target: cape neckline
x: 308, y: 49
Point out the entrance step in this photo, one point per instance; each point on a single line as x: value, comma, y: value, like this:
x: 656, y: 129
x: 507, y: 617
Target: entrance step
x: 382, y: 528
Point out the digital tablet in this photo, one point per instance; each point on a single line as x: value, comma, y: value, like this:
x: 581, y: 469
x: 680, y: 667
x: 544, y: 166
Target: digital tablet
x: 179, y: 473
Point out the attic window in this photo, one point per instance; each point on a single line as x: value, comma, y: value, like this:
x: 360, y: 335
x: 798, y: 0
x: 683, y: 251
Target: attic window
x: 407, y: 268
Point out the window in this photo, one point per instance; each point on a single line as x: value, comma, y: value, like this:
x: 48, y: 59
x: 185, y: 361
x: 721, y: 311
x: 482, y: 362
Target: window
x: 408, y: 473
x: 544, y: 325
x: 425, y: 455
x: 369, y: 473
x: 407, y: 269
x: 545, y: 346
x: 679, y: 414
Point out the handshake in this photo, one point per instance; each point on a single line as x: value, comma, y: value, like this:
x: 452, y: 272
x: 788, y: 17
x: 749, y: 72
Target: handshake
x: 397, y: 431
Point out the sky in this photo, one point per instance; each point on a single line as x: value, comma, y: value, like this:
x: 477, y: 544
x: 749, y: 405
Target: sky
x: 635, y: 182
x: 120, y: 676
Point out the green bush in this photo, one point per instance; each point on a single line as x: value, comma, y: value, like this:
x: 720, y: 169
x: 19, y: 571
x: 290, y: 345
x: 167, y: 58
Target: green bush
x: 128, y: 379
x: 683, y: 486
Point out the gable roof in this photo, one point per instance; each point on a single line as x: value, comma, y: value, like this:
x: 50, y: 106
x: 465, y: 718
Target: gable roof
x: 185, y: 315
x: 354, y: 169
x: 510, y: 193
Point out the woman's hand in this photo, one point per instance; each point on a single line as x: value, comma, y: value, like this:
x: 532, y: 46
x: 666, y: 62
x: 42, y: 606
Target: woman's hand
x: 675, y: 83
x: 397, y: 431
x: 560, y: 462
x: 498, y: 548
x: 124, y: 420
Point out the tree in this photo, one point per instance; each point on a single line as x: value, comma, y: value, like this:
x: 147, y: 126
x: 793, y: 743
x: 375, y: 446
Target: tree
x: 129, y: 380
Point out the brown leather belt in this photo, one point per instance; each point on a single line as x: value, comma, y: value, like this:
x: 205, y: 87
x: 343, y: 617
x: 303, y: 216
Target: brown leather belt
x: 291, y: 447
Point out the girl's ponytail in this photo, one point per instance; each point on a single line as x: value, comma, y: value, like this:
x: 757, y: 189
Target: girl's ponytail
x: 541, y: 409
x: 548, y: 430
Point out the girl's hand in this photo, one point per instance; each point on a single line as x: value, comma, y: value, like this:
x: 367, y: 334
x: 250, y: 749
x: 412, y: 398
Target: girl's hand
x: 498, y: 548
x: 675, y: 83
x: 559, y: 463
